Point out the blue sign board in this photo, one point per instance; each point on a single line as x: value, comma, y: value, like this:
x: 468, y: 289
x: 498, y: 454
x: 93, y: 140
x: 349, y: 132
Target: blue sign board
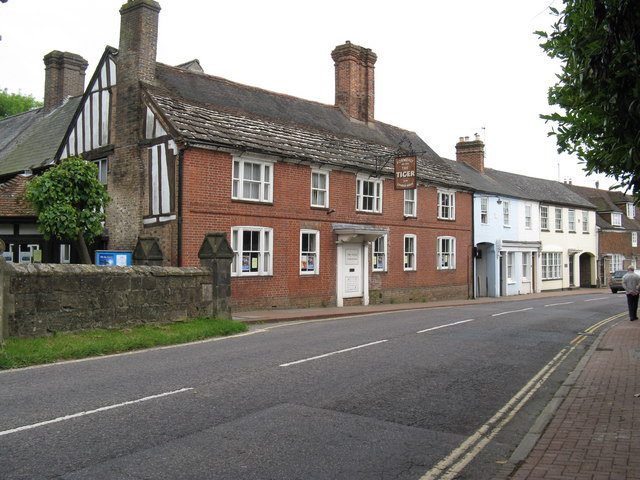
x: 119, y: 258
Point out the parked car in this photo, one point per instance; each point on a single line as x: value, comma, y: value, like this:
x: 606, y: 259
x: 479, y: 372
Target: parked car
x: 615, y: 284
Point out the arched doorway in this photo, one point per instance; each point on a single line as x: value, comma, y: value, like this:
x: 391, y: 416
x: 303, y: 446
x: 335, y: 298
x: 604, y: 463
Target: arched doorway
x: 586, y: 270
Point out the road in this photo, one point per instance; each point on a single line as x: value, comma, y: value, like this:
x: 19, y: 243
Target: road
x: 423, y: 394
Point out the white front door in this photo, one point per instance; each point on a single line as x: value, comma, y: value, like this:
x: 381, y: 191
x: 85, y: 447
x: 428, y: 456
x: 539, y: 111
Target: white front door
x: 351, y: 272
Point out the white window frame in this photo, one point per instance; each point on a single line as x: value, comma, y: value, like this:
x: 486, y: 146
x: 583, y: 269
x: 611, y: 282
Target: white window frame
x: 65, y: 253
x: 484, y: 210
x: 102, y: 164
x: 544, y: 217
x: 558, y: 220
x: 446, y: 205
x: 616, y: 219
x: 617, y: 262
x: 264, y: 182
x: 319, y: 195
x: 379, y: 254
x: 551, y: 263
x: 634, y: 239
x: 527, y: 216
x: 506, y: 213
x: 585, y: 222
x: 526, y: 265
x: 511, y: 257
x: 364, y: 198
x: 411, y: 202
x: 264, y: 258
x: 309, y: 256
x: 409, y: 249
x: 446, y: 253
x: 631, y: 210
x: 571, y: 218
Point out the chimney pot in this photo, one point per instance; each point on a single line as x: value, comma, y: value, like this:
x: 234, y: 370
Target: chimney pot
x: 471, y: 153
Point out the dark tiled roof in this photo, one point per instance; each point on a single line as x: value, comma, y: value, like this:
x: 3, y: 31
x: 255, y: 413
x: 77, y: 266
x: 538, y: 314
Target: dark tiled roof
x: 482, y: 182
x: 538, y: 189
x: 34, y: 143
x: 608, y: 201
x: 12, y: 201
x: 208, y: 110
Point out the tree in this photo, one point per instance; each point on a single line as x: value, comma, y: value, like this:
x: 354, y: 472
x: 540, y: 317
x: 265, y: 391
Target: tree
x: 70, y: 202
x: 14, y: 103
x: 598, y: 91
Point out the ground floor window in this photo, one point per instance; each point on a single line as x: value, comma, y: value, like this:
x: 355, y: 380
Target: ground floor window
x: 446, y: 253
x: 617, y: 262
x: 379, y: 261
x: 551, y: 265
x: 526, y: 265
x: 253, y: 251
x: 309, y: 252
x: 409, y: 252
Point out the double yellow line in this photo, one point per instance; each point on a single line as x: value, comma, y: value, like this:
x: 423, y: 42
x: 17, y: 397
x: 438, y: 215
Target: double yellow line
x: 452, y: 465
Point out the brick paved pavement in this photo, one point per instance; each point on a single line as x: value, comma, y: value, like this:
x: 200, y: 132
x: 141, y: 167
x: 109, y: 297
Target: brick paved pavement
x: 595, y: 432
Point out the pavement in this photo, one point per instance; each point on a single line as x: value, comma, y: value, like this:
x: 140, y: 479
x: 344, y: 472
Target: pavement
x: 591, y: 428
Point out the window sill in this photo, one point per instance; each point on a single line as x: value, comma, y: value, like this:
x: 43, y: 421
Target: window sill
x: 252, y: 202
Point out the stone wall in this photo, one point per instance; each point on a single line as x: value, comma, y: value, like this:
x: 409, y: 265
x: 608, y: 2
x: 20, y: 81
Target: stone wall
x: 39, y: 299
x: 44, y: 298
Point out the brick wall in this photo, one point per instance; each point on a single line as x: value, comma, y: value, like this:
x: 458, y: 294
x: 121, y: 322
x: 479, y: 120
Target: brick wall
x: 208, y: 207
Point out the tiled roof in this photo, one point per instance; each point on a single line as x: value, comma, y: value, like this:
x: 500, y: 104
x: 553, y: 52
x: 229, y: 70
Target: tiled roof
x: 608, y: 201
x: 539, y: 189
x: 33, y: 139
x: 208, y: 110
x: 12, y: 201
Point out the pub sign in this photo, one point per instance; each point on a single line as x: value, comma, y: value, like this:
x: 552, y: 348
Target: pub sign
x: 405, y: 173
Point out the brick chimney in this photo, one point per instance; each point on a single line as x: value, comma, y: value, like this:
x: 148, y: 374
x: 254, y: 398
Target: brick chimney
x: 64, y: 77
x: 355, y: 80
x: 136, y: 63
x: 471, y: 152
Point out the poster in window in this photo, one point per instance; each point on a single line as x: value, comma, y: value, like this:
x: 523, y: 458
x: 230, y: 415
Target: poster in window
x: 246, y: 263
x: 311, y: 263
x: 303, y: 263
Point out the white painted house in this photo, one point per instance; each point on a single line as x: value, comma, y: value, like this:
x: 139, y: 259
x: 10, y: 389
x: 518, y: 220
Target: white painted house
x: 518, y: 248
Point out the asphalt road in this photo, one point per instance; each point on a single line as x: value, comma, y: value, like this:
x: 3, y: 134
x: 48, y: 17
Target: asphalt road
x: 389, y: 396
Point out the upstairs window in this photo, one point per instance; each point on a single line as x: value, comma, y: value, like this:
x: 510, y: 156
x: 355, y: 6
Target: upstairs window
x: 446, y: 205
x: 252, y: 180
x: 634, y: 239
x: 410, y: 203
x: 572, y: 221
x: 484, y: 210
x: 544, y: 217
x: 631, y: 210
x: 616, y: 219
x: 558, y: 219
x: 369, y: 195
x: 527, y: 217
x: 506, y: 213
x: 585, y: 222
x: 320, y: 189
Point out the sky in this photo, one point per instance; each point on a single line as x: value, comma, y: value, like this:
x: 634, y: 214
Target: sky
x: 445, y: 69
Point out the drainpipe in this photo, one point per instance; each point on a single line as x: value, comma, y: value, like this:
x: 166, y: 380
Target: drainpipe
x: 180, y: 198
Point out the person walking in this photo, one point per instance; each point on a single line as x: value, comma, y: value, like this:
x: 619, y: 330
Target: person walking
x: 631, y: 282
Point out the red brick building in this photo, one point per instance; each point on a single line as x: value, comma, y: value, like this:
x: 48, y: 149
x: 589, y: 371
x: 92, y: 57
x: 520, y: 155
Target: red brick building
x: 304, y: 191
x: 618, y: 230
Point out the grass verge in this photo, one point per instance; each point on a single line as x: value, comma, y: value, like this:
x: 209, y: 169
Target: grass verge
x: 23, y: 352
